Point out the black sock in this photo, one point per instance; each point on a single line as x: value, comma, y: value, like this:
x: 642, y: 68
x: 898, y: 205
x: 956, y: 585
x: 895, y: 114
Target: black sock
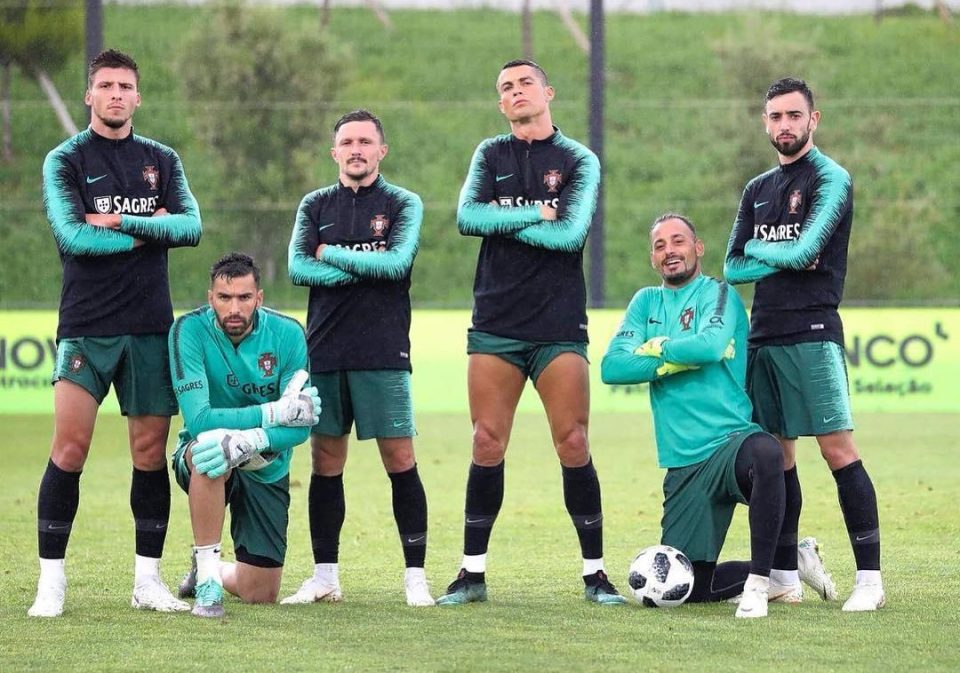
x: 785, y: 557
x: 150, y: 503
x: 327, y: 508
x: 410, y: 512
x: 57, y: 502
x: 713, y: 583
x: 484, y: 498
x: 858, y: 502
x: 760, y: 475
x: 581, y: 495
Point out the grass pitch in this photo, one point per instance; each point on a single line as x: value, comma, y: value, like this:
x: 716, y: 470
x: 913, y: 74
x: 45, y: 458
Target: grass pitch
x: 536, y: 617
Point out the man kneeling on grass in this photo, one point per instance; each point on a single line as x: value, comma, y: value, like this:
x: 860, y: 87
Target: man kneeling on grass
x: 238, y: 371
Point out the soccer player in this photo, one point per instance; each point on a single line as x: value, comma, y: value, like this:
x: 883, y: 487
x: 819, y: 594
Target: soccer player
x: 530, y: 195
x: 353, y: 244
x: 790, y: 237
x: 687, y: 338
x: 116, y: 202
x: 239, y: 371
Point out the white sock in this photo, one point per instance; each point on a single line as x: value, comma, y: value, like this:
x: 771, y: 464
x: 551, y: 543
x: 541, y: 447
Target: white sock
x: 52, y: 571
x: 411, y: 574
x: 785, y: 578
x: 475, y: 564
x: 592, y: 565
x: 869, y: 577
x: 328, y: 573
x: 208, y: 562
x: 145, y: 568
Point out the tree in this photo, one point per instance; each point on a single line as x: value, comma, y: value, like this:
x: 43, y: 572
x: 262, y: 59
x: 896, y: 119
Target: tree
x: 261, y: 95
x: 37, y: 37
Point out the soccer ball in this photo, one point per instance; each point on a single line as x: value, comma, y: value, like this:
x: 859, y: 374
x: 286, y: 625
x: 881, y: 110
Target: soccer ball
x: 661, y: 577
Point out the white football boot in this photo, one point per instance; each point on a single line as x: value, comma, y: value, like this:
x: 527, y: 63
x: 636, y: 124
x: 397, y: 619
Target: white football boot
x: 418, y: 591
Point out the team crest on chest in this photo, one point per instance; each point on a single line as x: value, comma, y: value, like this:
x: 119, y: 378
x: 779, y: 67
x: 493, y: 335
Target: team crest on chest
x: 686, y: 318
x: 379, y: 225
x: 102, y: 204
x: 552, y: 181
x: 267, y: 363
x: 796, y: 200
x: 151, y: 176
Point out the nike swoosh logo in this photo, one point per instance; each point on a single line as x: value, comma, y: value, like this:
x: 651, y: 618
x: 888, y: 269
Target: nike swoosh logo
x: 482, y: 519
x: 827, y: 420
x: 501, y: 178
x: 865, y: 537
x: 326, y: 226
x: 90, y: 180
x: 590, y: 523
x: 651, y: 321
x: 413, y: 540
x: 51, y: 526
x: 757, y: 204
x: 399, y: 424
x: 160, y: 526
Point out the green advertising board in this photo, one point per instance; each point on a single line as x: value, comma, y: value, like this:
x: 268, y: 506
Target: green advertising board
x: 898, y: 360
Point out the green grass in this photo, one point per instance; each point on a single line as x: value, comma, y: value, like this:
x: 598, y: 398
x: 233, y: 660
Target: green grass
x: 536, y: 617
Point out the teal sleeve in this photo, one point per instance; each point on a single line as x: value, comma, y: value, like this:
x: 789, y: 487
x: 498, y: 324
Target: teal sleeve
x: 302, y: 265
x: 181, y: 227
x: 67, y: 216
x: 191, y: 384
x: 739, y: 267
x: 619, y: 364
x: 578, y: 201
x: 720, y: 307
x: 476, y: 215
x: 295, y: 348
x: 396, y: 261
x: 832, y: 201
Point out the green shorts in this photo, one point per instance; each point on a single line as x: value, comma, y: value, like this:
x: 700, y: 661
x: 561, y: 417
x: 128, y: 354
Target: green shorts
x: 258, y: 513
x: 530, y: 357
x: 799, y: 390
x: 699, y: 500
x: 378, y: 401
x: 137, y: 365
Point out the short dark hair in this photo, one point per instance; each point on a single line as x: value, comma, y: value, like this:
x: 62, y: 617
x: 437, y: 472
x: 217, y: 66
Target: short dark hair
x: 111, y: 58
x: 523, y: 61
x: 674, y: 216
x: 360, y: 115
x: 235, y: 265
x: 787, y: 85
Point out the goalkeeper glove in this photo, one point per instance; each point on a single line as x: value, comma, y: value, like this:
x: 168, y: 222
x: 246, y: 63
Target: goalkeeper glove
x: 668, y: 368
x: 296, y: 408
x: 217, y: 451
x: 730, y: 351
x: 652, y: 347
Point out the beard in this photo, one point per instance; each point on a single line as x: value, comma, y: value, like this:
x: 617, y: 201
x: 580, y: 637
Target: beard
x: 113, y: 122
x: 236, y: 328
x: 792, y: 148
x: 681, y: 276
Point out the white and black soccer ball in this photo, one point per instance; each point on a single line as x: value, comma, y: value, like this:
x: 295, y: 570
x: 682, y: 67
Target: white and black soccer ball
x: 661, y: 577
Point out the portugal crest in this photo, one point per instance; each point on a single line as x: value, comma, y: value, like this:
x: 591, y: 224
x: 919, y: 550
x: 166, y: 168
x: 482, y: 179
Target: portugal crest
x: 267, y: 363
x: 151, y: 176
x: 379, y: 225
x: 76, y: 363
x: 552, y: 181
x: 796, y: 200
x: 686, y: 318
x: 102, y: 204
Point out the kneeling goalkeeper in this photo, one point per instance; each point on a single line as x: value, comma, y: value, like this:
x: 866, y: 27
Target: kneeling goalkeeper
x: 238, y: 372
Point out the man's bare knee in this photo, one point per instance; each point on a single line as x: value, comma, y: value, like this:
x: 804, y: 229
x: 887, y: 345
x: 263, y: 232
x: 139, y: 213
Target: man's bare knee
x: 69, y: 456
x: 488, y: 448
x: 573, y: 449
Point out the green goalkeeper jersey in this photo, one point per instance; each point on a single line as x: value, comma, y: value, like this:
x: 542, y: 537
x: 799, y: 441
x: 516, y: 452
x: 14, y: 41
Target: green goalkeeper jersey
x: 695, y: 411
x: 219, y: 385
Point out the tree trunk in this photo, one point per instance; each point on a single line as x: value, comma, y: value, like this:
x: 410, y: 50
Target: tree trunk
x: 5, y: 76
x: 325, y: 14
x: 526, y: 30
x: 56, y: 102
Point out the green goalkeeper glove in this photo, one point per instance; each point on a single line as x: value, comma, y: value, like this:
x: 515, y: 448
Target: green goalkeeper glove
x: 669, y: 368
x: 298, y: 407
x: 652, y: 347
x: 217, y: 451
